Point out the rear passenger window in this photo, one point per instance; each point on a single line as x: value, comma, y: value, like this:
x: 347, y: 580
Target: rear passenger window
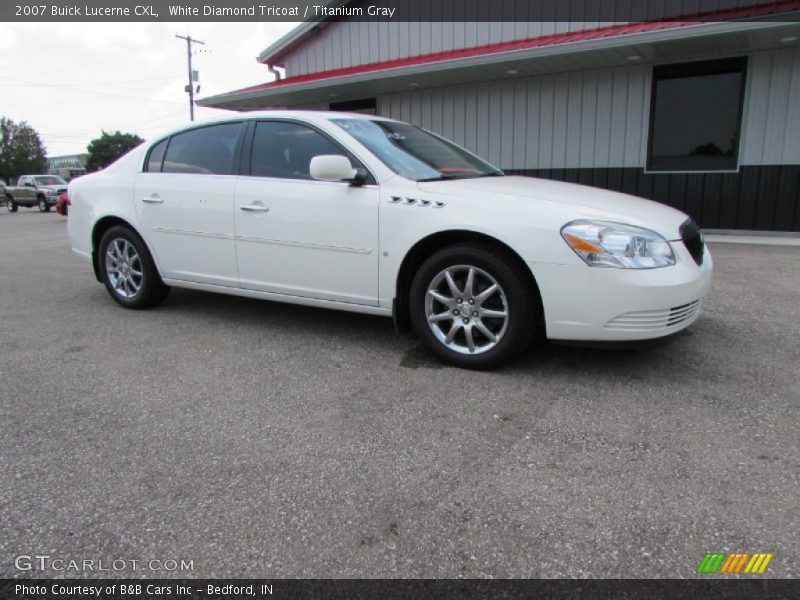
x: 156, y: 157
x: 284, y: 150
x: 206, y: 150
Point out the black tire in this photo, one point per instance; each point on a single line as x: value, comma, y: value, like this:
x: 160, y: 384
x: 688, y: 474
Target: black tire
x: 516, y: 297
x: 11, y: 206
x: 151, y: 290
x: 43, y: 205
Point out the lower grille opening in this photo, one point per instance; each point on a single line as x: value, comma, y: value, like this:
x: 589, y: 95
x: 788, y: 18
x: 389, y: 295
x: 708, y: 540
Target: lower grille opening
x: 654, y: 320
x: 693, y: 240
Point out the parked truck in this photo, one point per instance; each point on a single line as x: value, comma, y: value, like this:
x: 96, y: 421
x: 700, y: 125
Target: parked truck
x: 35, y: 190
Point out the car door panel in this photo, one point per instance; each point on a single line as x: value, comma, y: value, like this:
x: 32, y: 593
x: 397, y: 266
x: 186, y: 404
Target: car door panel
x: 318, y: 239
x: 185, y: 202
x: 189, y: 223
x: 299, y: 236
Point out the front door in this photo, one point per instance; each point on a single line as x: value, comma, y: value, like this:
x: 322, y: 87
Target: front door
x: 301, y: 237
x: 184, y: 200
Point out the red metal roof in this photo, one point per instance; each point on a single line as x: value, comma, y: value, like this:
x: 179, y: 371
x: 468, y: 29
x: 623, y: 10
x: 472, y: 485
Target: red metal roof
x: 524, y: 44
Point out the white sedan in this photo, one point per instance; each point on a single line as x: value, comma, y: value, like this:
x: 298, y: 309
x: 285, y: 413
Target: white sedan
x: 373, y: 215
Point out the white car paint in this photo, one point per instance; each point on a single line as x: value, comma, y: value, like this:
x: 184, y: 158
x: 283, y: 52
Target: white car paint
x: 335, y: 245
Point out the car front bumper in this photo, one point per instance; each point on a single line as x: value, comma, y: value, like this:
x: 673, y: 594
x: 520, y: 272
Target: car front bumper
x: 583, y: 303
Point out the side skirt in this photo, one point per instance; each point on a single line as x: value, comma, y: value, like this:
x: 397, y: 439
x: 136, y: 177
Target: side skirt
x: 221, y: 289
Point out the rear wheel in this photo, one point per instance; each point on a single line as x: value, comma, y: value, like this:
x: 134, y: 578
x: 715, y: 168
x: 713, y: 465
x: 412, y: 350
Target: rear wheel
x: 473, y: 306
x: 11, y: 206
x: 43, y: 205
x: 128, y: 271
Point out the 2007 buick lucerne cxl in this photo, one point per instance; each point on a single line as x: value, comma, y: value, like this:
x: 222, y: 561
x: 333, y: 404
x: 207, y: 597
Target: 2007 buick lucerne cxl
x: 372, y: 215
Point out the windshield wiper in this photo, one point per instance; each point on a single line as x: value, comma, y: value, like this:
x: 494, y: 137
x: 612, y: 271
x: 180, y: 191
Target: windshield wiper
x: 444, y: 177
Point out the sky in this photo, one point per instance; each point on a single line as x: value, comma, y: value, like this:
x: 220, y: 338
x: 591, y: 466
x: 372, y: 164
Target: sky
x: 70, y: 81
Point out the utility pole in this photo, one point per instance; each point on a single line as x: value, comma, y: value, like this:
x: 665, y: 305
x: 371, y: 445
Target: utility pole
x: 190, y: 87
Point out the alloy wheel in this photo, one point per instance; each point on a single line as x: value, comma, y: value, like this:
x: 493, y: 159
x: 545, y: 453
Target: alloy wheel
x: 124, y: 268
x: 466, y: 309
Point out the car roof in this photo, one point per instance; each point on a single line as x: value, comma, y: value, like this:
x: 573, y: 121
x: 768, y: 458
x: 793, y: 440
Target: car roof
x: 312, y: 116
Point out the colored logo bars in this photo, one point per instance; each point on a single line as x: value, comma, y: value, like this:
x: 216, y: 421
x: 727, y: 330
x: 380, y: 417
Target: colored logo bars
x: 720, y: 562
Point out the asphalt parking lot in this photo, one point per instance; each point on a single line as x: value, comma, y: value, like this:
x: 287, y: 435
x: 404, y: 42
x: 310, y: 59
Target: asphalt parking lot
x: 265, y: 440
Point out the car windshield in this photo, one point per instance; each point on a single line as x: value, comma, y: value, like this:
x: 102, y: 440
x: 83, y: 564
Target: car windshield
x: 415, y: 153
x: 49, y: 180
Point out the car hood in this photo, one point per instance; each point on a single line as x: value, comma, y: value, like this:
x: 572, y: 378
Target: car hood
x: 577, y: 201
x: 54, y: 188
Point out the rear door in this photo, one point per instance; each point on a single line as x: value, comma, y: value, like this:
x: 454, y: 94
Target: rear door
x: 184, y: 200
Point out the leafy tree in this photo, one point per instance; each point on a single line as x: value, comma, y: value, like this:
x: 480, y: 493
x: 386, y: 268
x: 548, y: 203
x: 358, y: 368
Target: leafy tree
x: 21, y: 150
x: 109, y: 147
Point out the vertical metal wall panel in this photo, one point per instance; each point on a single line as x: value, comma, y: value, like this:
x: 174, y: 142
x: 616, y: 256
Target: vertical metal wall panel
x: 771, y: 119
x: 601, y: 118
x: 574, y: 120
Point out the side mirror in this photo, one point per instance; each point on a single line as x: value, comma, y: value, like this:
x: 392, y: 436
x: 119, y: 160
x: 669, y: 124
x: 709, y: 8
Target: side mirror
x: 27, y: 184
x: 332, y: 167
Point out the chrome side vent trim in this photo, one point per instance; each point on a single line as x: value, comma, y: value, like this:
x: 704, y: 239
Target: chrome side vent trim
x: 416, y: 202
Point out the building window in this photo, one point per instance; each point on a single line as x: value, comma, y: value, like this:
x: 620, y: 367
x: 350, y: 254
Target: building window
x: 366, y: 106
x: 696, y: 116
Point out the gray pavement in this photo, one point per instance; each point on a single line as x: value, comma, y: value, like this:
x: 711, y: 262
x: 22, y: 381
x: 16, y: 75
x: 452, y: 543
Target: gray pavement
x: 258, y: 439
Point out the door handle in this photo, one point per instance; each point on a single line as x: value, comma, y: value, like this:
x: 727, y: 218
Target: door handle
x: 254, y: 208
x: 154, y: 199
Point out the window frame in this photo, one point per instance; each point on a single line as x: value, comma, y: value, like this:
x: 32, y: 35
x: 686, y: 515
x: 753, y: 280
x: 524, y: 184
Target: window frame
x: 247, y: 152
x: 235, y: 159
x: 152, y: 147
x: 694, y: 69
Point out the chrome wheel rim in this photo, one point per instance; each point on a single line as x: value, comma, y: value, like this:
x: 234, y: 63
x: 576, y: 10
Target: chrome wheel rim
x: 42, y: 205
x: 466, y: 309
x: 124, y: 268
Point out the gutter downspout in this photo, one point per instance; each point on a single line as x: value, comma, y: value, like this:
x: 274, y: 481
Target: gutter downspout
x: 274, y: 71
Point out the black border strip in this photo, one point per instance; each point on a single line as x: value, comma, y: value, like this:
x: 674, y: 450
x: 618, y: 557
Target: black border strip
x: 417, y: 589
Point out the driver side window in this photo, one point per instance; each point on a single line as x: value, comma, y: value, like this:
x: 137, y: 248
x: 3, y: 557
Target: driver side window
x: 284, y: 150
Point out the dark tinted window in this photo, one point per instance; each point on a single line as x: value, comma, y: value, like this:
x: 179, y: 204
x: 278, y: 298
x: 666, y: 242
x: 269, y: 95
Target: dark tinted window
x: 696, y: 116
x: 284, y: 150
x: 207, y: 150
x: 156, y: 157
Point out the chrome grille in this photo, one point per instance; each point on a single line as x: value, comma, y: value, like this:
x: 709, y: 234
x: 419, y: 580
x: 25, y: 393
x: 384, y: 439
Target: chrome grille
x: 654, y: 320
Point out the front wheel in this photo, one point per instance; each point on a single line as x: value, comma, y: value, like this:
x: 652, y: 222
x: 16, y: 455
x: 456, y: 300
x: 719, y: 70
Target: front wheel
x: 128, y: 271
x: 43, y: 205
x: 473, y: 306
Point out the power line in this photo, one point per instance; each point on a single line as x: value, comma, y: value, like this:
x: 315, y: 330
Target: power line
x: 110, y: 94
x: 27, y: 83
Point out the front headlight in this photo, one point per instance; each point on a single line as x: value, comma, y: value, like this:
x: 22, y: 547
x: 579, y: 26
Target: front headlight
x: 604, y: 244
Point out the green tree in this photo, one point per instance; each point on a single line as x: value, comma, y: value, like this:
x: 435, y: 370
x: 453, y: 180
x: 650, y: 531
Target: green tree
x: 21, y: 150
x: 109, y: 147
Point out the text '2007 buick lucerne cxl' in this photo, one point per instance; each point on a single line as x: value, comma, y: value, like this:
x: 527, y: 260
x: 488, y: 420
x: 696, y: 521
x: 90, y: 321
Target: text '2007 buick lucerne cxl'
x: 373, y: 215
